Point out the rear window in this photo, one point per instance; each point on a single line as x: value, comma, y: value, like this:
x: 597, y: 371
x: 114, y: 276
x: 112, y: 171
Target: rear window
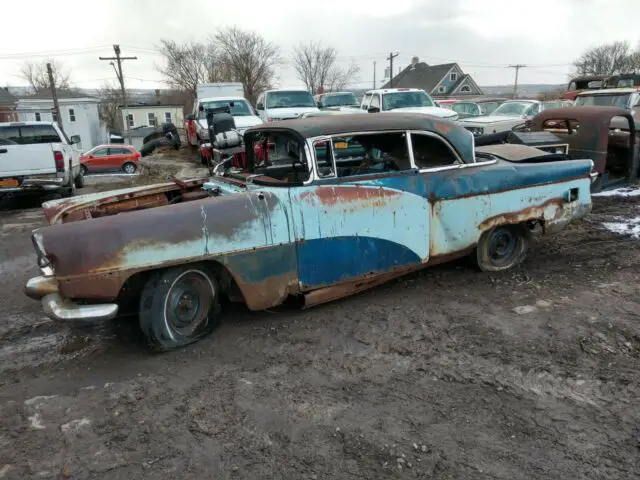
x: 28, y: 134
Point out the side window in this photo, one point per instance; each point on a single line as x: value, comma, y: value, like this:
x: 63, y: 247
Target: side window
x: 431, y: 152
x: 9, y: 135
x: 101, y: 152
x: 324, y: 158
x: 534, y: 109
x: 365, y: 101
x: 72, y: 115
x: 370, y: 154
x: 375, y: 101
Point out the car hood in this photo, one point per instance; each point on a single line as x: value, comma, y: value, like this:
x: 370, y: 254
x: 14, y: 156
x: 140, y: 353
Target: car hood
x: 482, y: 120
x: 435, y: 111
x: 287, y: 113
x: 242, y: 121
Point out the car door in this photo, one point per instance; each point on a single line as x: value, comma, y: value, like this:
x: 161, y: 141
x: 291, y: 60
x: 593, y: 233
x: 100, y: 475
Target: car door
x: 96, y: 160
x: 117, y: 157
x: 453, y: 217
x: 360, y: 219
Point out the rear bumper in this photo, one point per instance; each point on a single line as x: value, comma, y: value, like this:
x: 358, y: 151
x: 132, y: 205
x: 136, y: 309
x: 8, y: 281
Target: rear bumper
x: 45, y: 289
x: 36, y: 184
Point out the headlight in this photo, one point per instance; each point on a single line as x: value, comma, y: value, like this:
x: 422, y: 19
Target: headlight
x: 476, y: 131
x: 203, y: 133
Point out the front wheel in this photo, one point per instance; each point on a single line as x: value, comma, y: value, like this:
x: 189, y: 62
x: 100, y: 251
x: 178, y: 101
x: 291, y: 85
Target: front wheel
x: 79, y: 180
x: 179, y: 306
x: 502, y: 247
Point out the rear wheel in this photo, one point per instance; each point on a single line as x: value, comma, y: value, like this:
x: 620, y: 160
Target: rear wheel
x: 79, y: 181
x: 129, y: 168
x: 179, y: 306
x: 84, y: 169
x: 70, y: 190
x: 502, y: 247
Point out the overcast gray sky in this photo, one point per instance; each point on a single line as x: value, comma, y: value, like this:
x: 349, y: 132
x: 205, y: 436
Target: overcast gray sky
x: 482, y: 36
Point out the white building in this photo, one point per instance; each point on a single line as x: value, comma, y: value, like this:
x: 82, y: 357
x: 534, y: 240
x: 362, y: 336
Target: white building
x: 79, y: 115
x: 152, y: 115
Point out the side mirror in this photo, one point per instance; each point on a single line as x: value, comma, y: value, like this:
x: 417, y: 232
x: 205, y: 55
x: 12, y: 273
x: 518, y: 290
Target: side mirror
x: 201, y: 108
x: 319, y: 104
x: 75, y: 139
x: 374, y: 110
x: 231, y: 104
x: 260, y: 106
x: 191, y: 116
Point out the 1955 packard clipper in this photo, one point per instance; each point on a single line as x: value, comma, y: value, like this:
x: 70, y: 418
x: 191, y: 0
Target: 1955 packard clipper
x: 320, y: 208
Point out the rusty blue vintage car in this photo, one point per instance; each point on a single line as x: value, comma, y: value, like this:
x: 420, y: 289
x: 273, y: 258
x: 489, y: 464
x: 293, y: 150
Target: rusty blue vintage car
x: 316, y: 209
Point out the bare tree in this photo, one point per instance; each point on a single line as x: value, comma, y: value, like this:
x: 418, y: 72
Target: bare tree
x: 248, y: 58
x: 38, y: 78
x: 609, y: 59
x: 340, y: 78
x: 109, y: 108
x: 188, y: 64
x: 316, y: 67
x: 313, y: 63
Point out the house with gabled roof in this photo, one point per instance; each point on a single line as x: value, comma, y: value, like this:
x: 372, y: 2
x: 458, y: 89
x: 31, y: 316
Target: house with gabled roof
x: 440, y: 81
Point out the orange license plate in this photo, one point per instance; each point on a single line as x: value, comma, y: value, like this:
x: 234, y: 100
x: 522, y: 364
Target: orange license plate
x: 9, y: 182
x: 342, y: 145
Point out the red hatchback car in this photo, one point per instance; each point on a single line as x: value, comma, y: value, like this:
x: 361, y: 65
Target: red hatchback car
x: 105, y: 158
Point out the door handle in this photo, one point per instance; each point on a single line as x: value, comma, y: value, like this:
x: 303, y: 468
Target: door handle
x: 3, y: 150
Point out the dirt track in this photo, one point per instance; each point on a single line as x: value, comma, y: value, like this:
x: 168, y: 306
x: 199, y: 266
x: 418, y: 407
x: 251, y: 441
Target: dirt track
x: 446, y: 374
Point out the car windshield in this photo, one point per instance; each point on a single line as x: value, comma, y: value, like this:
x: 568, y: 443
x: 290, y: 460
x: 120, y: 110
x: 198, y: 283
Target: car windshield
x: 394, y: 100
x: 465, y: 107
x: 240, y: 107
x: 512, y: 109
x: 558, y: 104
x: 289, y: 99
x: 612, y: 100
x: 339, y: 99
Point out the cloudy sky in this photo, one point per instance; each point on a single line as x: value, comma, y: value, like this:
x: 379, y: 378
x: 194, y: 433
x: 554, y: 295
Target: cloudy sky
x: 482, y: 36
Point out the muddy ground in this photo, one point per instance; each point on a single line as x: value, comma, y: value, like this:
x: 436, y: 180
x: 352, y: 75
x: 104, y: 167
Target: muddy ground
x: 445, y: 374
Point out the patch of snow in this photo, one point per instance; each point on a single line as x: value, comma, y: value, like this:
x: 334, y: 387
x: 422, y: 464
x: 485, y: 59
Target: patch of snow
x: 630, y: 226
x: 75, y: 424
x: 36, y: 422
x: 524, y: 309
x: 39, y: 399
x: 619, y: 192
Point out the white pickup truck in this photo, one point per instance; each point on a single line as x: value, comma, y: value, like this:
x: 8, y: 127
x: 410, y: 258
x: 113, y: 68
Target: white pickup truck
x: 38, y: 157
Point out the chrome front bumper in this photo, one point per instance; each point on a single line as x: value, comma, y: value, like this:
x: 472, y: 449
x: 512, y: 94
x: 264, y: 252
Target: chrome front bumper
x: 45, y: 288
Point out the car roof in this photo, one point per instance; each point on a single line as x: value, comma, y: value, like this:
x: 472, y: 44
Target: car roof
x: 273, y: 90
x: 117, y: 145
x: 393, y: 90
x: 18, y: 124
x: 221, y: 99
x: 609, y: 91
x: 318, y: 126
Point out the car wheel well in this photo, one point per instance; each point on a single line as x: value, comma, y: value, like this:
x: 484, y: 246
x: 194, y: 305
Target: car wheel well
x: 132, y: 287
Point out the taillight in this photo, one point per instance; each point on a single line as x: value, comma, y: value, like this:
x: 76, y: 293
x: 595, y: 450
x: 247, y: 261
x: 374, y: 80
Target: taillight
x: 59, y: 158
x: 138, y: 155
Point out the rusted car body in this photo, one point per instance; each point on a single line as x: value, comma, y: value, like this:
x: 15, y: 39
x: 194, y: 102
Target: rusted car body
x: 580, y: 84
x: 319, y: 227
x: 606, y: 135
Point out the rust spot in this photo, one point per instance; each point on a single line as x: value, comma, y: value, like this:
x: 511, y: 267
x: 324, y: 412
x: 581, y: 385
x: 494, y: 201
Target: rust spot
x: 332, y: 195
x: 529, y: 213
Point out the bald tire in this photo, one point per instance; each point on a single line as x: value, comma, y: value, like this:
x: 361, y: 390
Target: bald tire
x: 159, y: 326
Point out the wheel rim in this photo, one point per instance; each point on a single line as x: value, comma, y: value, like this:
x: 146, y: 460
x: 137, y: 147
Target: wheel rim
x: 129, y: 168
x: 83, y: 170
x: 502, y: 245
x: 188, y: 302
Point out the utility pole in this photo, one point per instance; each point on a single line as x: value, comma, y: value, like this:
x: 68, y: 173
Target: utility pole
x: 119, y: 60
x: 390, y: 58
x: 517, y: 66
x: 54, y: 95
x: 374, y: 74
